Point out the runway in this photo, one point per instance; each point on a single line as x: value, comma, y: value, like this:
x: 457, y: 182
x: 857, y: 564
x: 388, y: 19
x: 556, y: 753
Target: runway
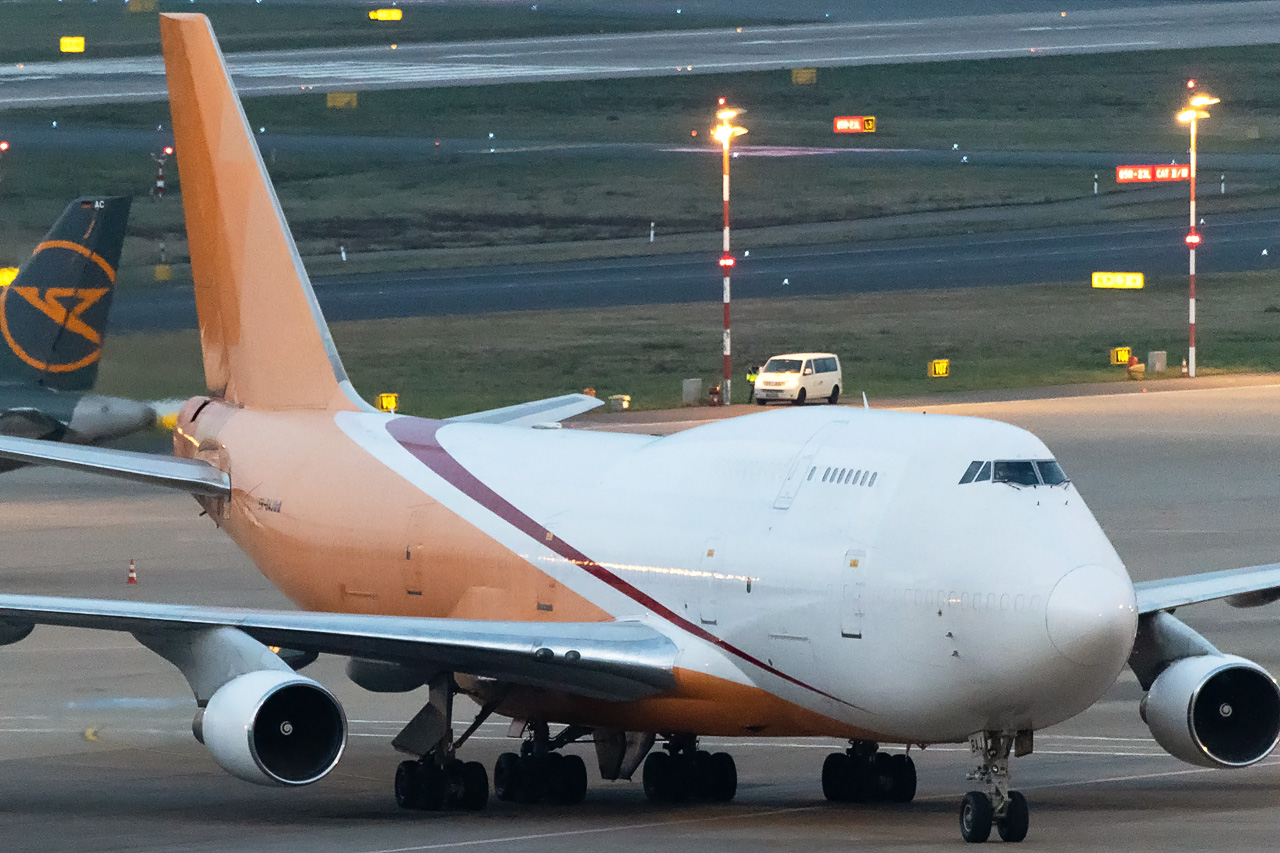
x: 96, y: 752
x: 869, y: 40
x: 1233, y: 243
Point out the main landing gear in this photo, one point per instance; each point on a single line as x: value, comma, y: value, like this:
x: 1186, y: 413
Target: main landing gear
x: 1004, y: 808
x: 862, y: 773
x: 438, y: 779
x: 682, y: 772
x: 539, y: 773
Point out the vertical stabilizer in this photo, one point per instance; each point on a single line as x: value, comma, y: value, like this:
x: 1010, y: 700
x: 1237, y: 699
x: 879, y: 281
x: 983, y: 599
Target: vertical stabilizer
x: 265, y: 341
x: 53, y: 316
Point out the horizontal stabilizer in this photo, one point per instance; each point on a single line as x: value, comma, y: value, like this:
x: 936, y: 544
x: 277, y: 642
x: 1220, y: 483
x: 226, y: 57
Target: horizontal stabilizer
x: 606, y: 660
x: 1247, y: 587
x: 188, y: 475
x: 551, y: 410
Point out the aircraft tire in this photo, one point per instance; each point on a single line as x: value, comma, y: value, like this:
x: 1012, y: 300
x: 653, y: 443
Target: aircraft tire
x: 976, y: 815
x: 902, y: 788
x: 567, y: 780
x: 835, y: 775
x: 475, y: 787
x: 657, y: 770
x: 507, y: 773
x: 724, y: 777
x: 409, y: 793
x: 1013, y: 824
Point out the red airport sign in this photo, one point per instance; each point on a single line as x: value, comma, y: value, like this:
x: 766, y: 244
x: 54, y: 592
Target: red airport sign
x: 1146, y: 174
x: 854, y: 124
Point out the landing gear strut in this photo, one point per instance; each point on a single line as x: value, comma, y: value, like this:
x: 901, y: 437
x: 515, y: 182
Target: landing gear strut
x: 438, y: 779
x: 682, y: 772
x: 999, y: 806
x: 862, y: 773
x: 539, y: 773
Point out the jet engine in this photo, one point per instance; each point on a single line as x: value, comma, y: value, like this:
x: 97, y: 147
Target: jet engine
x: 273, y: 728
x: 1214, y: 711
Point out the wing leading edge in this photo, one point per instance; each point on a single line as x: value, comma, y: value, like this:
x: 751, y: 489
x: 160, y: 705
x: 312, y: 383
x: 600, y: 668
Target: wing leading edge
x: 606, y: 660
x: 1251, y: 586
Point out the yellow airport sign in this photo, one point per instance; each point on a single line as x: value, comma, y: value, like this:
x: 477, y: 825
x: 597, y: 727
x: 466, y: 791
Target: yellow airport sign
x: 939, y: 368
x: 1121, y: 355
x: 342, y: 100
x: 804, y: 76
x: 1119, y: 280
x: 386, y: 14
x: 71, y: 44
x: 7, y: 275
x: 388, y: 403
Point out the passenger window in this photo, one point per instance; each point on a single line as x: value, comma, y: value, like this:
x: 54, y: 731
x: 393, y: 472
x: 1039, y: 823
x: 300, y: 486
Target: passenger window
x: 970, y: 472
x: 812, y: 471
x: 984, y: 473
x: 856, y: 475
x: 864, y: 478
x: 1015, y: 472
x: 873, y: 480
x: 826, y: 475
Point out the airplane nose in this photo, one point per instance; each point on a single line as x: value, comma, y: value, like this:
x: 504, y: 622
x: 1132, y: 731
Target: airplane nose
x: 1092, y: 616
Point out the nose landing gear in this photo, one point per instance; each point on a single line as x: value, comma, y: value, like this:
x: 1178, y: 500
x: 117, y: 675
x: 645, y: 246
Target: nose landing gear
x: 1002, y: 808
x: 862, y: 773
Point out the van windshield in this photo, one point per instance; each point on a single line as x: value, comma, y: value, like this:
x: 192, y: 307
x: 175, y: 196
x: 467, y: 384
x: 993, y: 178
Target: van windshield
x: 782, y: 365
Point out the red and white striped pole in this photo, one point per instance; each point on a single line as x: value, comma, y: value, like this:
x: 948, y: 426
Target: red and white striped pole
x: 1191, y: 115
x: 725, y: 132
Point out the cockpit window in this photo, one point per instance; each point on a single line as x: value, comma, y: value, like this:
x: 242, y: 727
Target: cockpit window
x: 971, y: 472
x: 1017, y: 472
x: 984, y: 473
x: 1051, y: 473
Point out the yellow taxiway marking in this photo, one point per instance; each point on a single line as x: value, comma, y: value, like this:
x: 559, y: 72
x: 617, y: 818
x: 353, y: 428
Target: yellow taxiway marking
x: 91, y: 734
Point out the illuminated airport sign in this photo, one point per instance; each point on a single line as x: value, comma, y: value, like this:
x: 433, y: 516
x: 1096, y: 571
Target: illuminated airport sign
x: 385, y: 14
x: 71, y: 44
x: 854, y: 124
x: 388, y: 402
x: 1121, y: 355
x: 1148, y: 174
x: 939, y: 368
x: 1119, y: 280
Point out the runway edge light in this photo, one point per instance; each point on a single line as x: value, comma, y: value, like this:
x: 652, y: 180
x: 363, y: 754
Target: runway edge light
x: 1119, y: 280
x: 940, y: 368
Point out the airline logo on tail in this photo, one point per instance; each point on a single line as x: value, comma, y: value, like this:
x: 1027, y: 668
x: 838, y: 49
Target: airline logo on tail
x: 76, y: 342
x: 53, y: 317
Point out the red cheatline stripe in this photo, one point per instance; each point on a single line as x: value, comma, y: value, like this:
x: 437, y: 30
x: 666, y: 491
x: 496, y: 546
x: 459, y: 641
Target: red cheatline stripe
x: 418, y: 436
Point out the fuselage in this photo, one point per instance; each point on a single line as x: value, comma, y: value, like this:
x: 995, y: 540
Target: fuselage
x: 822, y: 571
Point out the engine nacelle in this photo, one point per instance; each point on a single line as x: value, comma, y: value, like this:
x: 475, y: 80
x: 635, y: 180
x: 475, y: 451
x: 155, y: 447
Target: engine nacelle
x: 1214, y: 711
x: 274, y: 728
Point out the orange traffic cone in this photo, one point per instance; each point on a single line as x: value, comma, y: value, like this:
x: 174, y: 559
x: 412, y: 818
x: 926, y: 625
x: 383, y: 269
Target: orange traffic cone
x: 1185, y: 372
x: 133, y: 573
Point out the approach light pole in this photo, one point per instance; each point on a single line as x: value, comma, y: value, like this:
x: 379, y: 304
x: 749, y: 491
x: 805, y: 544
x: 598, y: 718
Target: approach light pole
x: 724, y: 133
x: 1194, y: 112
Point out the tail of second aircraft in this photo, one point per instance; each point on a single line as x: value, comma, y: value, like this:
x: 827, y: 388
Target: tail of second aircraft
x: 264, y: 339
x: 53, y: 316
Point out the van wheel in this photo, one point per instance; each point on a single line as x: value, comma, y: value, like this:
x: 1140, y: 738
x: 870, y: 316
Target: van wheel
x: 799, y: 401
x: 835, y: 395
x: 760, y: 401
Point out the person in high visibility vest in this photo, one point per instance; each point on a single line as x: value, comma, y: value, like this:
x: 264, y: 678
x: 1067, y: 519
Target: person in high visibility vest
x: 752, y: 372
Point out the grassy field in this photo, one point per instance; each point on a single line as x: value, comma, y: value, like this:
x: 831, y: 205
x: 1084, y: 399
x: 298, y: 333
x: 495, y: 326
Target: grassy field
x: 32, y: 28
x: 997, y: 337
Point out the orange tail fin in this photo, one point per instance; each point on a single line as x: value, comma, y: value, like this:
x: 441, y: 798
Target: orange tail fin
x: 265, y: 341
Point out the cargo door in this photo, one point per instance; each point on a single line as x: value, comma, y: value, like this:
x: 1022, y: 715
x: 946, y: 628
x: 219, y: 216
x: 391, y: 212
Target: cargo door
x: 853, y: 581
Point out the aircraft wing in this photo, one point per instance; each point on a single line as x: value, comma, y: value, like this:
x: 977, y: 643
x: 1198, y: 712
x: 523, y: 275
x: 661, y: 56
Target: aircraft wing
x: 550, y: 410
x: 1252, y: 586
x: 607, y: 660
x: 188, y: 475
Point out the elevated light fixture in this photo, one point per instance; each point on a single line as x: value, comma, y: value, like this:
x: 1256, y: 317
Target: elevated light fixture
x: 1190, y: 116
x: 724, y: 133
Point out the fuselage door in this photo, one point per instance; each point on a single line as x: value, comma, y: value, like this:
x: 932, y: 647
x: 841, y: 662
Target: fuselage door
x: 705, y: 588
x: 853, y: 581
x: 414, y: 568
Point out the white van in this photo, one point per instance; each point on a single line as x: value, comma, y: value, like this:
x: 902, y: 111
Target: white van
x: 799, y: 377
